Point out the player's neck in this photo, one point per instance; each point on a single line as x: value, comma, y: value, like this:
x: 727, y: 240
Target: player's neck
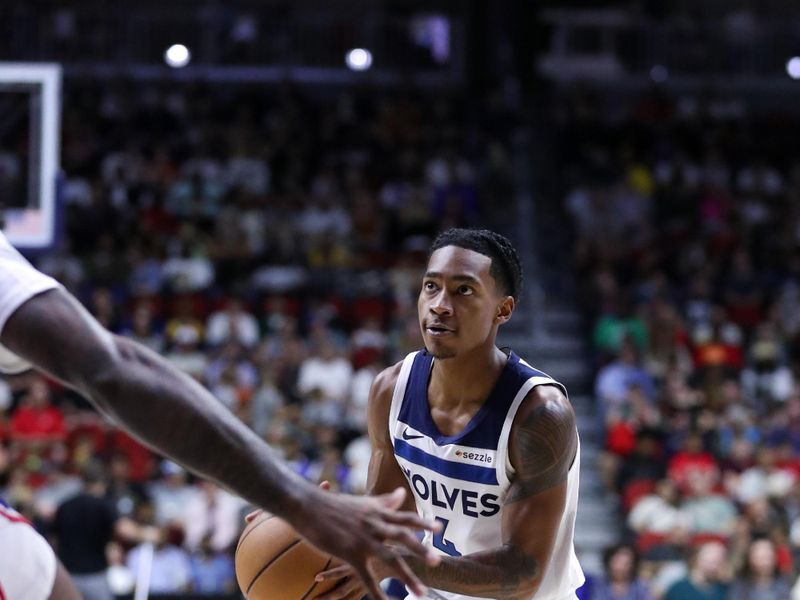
x: 468, y: 377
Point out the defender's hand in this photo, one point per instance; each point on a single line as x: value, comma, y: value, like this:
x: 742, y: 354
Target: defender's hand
x: 362, y: 530
x: 349, y: 587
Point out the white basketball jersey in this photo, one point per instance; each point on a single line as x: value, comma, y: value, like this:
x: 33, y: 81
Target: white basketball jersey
x: 27, y: 563
x: 462, y: 480
x: 19, y: 282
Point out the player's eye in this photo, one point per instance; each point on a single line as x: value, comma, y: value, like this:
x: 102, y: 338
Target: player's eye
x: 465, y: 290
x: 429, y: 286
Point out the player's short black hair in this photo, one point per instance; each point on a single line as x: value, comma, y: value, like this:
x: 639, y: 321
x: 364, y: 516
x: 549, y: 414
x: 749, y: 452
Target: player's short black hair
x: 506, y: 268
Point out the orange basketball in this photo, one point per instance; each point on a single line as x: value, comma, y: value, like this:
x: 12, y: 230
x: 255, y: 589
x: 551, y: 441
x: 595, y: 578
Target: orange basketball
x: 273, y: 562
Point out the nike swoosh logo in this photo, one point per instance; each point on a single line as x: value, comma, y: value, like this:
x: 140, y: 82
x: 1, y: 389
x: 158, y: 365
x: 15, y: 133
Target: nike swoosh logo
x: 411, y: 437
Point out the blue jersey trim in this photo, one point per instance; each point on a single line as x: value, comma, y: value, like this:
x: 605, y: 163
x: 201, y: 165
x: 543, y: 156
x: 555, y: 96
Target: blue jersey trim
x: 483, y: 429
x: 448, y: 468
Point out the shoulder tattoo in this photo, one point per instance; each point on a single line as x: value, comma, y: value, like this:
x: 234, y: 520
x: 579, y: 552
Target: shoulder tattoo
x: 545, y: 443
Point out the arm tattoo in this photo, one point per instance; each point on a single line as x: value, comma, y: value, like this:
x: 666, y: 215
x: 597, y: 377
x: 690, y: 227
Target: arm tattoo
x: 546, y: 442
x: 498, y: 573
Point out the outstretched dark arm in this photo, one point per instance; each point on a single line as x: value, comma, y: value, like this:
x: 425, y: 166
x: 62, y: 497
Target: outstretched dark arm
x: 172, y: 413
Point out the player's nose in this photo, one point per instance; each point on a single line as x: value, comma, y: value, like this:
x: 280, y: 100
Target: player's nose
x: 441, y: 304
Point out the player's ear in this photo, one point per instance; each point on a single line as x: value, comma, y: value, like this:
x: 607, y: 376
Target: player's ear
x: 504, y: 310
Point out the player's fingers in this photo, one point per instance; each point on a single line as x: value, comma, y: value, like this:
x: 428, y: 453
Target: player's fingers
x: 394, y: 500
x: 253, y: 515
x: 368, y: 579
x: 357, y: 593
x: 403, y: 537
x: 347, y: 589
x: 334, y: 573
x: 325, y: 485
x: 412, y: 520
x: 402, y: 572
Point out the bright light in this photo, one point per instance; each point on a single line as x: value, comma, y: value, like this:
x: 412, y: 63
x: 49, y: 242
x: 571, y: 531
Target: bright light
x: 358, y: 59
x: 177, y: 56
x: 659, y: 74
x: 793, y: 67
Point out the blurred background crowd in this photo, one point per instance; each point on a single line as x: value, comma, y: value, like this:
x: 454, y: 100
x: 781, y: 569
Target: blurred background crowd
x: 686, y: 247
x: 275, y: 256
x: 266, y: 232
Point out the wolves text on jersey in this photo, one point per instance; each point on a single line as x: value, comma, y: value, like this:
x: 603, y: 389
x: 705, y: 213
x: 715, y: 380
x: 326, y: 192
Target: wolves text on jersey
x: 442, y: 495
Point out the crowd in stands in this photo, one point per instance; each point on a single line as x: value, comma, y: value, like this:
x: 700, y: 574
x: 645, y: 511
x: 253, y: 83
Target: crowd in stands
x: 685, y: 212
x: 268, y: 243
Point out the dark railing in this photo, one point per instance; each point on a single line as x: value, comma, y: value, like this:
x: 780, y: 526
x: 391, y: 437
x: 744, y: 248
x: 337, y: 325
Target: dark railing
x: 615, y: 44
x: 251, y: 41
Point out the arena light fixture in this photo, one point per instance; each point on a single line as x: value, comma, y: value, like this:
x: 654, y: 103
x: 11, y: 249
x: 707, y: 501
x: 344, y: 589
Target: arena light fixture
x: 793, y: 67
x: 177, y: 56
x: 358, y: 59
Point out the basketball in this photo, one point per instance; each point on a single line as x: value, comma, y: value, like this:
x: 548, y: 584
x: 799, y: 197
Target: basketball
x: 273, y: 562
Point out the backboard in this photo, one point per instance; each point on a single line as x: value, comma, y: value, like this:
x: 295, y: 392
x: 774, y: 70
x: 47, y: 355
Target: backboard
x: 30, y: 111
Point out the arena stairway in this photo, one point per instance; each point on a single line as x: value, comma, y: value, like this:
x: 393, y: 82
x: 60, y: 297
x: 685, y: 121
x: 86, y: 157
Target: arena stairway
x: 548, y: 329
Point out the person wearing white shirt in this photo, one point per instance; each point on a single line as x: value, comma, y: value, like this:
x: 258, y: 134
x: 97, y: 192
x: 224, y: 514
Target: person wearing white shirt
x: 232, y: 323
x: 215, y: 513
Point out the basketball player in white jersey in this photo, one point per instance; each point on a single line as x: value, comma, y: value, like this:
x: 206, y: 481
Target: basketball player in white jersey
x: 486, y: 444
x: 43, y: 325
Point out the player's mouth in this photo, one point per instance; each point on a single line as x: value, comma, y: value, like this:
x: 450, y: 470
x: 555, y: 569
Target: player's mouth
x: 437, y: 330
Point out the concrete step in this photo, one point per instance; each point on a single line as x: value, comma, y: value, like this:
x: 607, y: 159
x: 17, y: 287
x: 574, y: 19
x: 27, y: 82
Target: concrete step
x: 590, y: 450
x: 562, y: 302
x: 562, y: 345
x: 594, y: 510
x: 591, y: 491
x: 563, y: 321
x: 520, y: 340
x: 591, y: 562
x: 583, y: 384
x: 564, y: 368
x: 532, y: 347
x: 557, y: 349
x: 583, y: 409
x: 593, y: 496
x: 591, y: 488
x: 590, y: 428
x: 560, y: 329
x: 584, y: 413
x: 582, y: 399
x: 589, y: 474
x: 597, y: 536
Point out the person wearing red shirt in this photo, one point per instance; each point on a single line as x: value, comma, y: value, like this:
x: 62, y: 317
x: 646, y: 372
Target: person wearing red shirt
x: 37, y: 419
x: 692, y: 457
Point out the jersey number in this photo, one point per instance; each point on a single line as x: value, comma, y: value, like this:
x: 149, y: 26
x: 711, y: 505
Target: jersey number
x: 442, y: 544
